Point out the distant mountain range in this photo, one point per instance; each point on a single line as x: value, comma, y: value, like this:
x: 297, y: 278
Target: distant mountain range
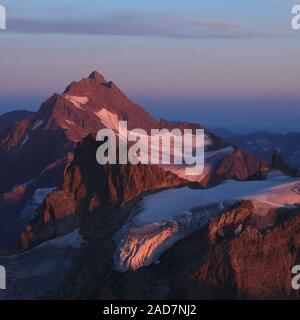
x: 263, y: 144
x: 10, y: 118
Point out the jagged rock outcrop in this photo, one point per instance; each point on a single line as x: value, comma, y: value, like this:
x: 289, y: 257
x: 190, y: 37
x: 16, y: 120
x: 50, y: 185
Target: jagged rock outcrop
x: 89, y: 186
x: 263, y: 144
x: 279, y: 164
x: 257, y: 262
x: 239, y: 166
x: 242, y: 166
x: 231, y: 223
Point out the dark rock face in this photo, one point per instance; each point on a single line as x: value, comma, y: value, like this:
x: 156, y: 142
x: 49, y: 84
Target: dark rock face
x: 279, y: 164
x: 231, y: 223
x: 258, y: 262
x: 242, y: 166
x: 8, y: 119
x: 13, y: 202
x: 236, y: 256
x: 88, y: 187
x: 239, y: 166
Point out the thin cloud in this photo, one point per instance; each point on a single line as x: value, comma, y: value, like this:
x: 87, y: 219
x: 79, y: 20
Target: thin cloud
x: 139, y: 25
x: 210, y: 24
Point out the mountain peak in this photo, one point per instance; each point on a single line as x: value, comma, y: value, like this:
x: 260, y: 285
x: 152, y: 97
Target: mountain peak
x: 97, y: 76
x: 279, y: 164
x: 86, y: 84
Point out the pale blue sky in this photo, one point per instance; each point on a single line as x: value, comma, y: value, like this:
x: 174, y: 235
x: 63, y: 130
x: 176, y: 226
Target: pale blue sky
x: 215, y: 62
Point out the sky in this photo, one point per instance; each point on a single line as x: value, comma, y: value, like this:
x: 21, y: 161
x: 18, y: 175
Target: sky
x: 225, y: 63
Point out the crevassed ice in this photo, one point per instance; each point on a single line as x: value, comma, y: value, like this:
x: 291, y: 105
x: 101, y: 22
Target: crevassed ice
x: 278, y: 191
x: 192, y: 208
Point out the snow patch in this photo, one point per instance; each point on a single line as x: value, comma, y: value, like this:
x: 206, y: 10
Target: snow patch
x: 24, y: 140
x: 149, y: 239
x: 70, y: 122
x: 110, y: 120
x: 77, y: 101
x: 29, y: 211
x: 222, y: 151
x: 37, y: 124
x: 208, y: 141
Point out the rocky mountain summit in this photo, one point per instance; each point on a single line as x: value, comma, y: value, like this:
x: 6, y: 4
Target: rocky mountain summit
x: 64, y: 119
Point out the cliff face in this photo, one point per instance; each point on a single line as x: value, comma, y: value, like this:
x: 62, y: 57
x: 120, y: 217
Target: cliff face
x: 238, y: 255
x: 263, y: 144
x: 251, y: 259
x: 240, y: 166
x: 279, y: 164
x: 88, y: 187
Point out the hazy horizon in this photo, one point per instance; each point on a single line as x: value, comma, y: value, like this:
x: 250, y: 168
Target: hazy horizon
x: 210, y: 64
x: 199, y: 110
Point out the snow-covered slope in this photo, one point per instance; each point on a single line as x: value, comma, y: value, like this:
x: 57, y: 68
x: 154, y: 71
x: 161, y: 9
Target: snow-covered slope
x: 190, y: 209
x: 32, y: 273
